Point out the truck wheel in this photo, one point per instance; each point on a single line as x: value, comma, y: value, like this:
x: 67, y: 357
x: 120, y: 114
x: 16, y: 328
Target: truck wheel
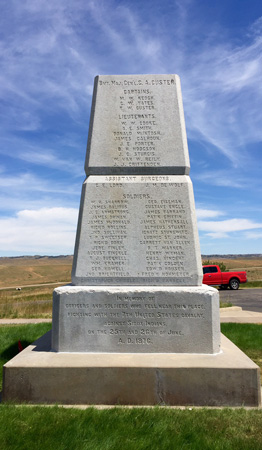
x: 234, y: 284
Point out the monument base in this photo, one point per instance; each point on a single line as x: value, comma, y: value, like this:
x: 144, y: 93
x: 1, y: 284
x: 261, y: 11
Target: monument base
x: 136, y: 319
x: 38, y: 375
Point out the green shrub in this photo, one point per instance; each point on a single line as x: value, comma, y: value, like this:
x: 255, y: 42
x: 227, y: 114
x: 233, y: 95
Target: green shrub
x: 222, y: 266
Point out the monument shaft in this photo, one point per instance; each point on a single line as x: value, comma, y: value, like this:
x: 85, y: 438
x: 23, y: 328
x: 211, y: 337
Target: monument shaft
x: 137, y: 126
x: 137, y: 230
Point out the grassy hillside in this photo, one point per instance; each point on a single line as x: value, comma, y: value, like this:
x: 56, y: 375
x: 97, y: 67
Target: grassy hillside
x: 34, y: 301
x: 34, y: 270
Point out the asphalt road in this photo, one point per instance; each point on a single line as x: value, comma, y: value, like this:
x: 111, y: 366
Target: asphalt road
x: 249, y: 299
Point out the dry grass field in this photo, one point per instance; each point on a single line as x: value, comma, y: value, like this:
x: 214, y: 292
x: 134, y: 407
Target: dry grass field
x: 29, y: 302
x: 38, y: 276
x: 24, y: 273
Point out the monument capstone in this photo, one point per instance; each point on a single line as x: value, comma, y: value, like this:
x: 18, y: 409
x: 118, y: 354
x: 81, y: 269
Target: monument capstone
x: 136, y: 326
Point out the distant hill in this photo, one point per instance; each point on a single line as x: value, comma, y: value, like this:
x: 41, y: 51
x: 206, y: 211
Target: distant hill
x: 230, y: 256
x: 36, y: 257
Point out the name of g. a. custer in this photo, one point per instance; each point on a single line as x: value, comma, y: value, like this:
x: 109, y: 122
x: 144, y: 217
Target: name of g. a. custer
x: 138, y: 82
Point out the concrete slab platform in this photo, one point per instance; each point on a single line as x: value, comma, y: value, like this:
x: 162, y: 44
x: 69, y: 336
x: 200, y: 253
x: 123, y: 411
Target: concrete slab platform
x: 38, y: 375
x: 23, y: 321
x: 238, y: 315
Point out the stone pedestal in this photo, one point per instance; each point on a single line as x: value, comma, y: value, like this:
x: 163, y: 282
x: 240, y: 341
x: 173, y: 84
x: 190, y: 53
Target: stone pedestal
x: 136, y: 319
x: 137, y: 327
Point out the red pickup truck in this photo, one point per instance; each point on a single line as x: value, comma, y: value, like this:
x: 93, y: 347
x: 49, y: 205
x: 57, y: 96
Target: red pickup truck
x: 214, y: 277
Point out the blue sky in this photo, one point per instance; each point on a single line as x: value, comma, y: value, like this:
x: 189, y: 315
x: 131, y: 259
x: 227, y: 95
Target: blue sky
x: 51, y: 52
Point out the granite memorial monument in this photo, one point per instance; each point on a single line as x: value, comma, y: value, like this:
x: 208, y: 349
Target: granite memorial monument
x: 136, y: 326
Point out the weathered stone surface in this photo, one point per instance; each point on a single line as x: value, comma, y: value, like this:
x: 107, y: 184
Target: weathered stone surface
x: 38, y: 375
x: 137, y: 230
x: 136, y: 320
x: 137, y: 126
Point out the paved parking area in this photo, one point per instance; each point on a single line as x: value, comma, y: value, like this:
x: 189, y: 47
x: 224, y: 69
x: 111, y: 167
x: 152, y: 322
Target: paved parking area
x: 248, y: 299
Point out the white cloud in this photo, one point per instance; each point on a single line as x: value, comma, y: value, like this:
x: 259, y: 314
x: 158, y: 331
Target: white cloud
x: 60, y: 153
x: 39, y: 70
x: 207, y: 213
x: 222, y: 228
x: 255, y: 28
x: 253, y: 235
x: 222, y: 88
x: 13, y: 202
x: 30, y: 183
x: 218, y: 235
x: 48, y: 158
x: 44, y: 231
x: 70, y: 43
x: 222, y: 178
